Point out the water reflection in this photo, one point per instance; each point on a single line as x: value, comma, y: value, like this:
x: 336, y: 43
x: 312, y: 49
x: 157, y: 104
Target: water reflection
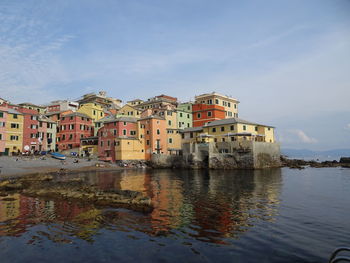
x: 205, y: 205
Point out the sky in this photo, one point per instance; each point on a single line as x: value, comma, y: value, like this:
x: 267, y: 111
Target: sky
x: 287, y: 62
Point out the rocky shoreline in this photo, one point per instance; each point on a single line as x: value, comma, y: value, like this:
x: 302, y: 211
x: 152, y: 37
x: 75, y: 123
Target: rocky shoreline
x: 301, y: 164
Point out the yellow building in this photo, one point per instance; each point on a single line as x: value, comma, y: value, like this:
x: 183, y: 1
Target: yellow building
x: 135, y: 102
x: 129, y: 111
x: 233, y: 129
x: 94, y: 110
x: 129, y: 149
x: 230, y: 104
x: 14, y: 131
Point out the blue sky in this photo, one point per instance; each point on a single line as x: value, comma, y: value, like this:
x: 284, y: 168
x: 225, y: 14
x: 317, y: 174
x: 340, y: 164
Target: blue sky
x: 288, y: 62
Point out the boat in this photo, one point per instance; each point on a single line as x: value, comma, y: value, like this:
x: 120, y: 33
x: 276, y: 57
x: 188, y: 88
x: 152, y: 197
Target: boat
x: 58, y: 156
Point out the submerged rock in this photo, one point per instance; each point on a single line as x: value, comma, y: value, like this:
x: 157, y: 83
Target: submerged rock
x: 48, y: 186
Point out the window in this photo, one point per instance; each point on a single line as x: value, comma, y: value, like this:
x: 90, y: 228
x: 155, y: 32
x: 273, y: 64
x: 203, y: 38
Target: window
x: 170, y: 140
x: 188, y: 116
x: 101, y: 114
x: 216, y: 101
x: 233, y: 139
x: 191, y: 134
x: 33, y: 126
x: 15, y: 116
x: 71, y: 118
x: 235, y: 106
x: 244, y: 127
x: 213, y: 129
x: 210, y: 101
x: 14, y: 138
x: 147, y: 132
x: 101, y: 143
x: 268, y: 128
x: 180, y: 114
x: 124, y: 132
x: 33, y: 118
x: 108, y: 143
x: 223, y: 139
x: 229, y: 104
x: 124, y: 123
x: 70, y: 136
x: 256, y: 128
x: 147, y: 142
x: 1, y: 114
x: 14, y: 125
x: 222, y: 128
x: 32, y: 135
x: 169, y: 122
x: 158, y: 131
x: 183, y: 136
x: 209, y: 113
x: 114, y: 132
x: 198, y: 115
x: 215, y: 139
x: 63, y: 137
x: 232, y: 127
x: 132, y: 132
x: 94, y: 112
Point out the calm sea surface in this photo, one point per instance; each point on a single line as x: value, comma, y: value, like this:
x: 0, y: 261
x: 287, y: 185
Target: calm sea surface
x: 277, y: 215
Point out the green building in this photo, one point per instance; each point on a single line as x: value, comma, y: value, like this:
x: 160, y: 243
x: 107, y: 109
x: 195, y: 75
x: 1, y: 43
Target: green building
x: 184, y: 115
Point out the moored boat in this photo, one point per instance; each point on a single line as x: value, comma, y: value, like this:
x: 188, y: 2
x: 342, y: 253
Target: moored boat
x: 58, y: 156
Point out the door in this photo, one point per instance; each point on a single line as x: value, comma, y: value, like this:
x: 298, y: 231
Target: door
x: 7, y: 150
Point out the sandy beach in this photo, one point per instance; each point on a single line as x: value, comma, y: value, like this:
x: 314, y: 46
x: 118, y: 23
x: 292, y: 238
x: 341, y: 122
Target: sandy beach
x: 24, y: 165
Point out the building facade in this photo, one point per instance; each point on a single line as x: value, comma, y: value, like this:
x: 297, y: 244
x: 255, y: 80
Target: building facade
x: 184, y: 115
x: 230, y: 104
x: 72, y: 128
x: 204, y: 113
x: 14, y: 132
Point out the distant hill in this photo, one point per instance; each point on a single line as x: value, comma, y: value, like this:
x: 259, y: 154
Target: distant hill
x: 310, y: 154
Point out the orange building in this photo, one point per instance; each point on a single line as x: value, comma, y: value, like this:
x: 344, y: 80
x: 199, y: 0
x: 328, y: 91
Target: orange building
x: 154, y: 134
x: 204, y: 113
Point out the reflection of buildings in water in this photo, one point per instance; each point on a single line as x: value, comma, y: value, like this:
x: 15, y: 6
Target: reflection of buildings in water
x: 9, y: 207
x: 24, y: 212
x: 233, y: 197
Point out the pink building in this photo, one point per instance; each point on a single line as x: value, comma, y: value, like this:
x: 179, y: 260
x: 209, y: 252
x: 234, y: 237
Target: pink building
x: 3, y: 117
x: 112, y: 129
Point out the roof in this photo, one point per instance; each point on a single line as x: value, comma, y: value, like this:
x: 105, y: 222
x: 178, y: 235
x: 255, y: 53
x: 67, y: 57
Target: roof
x: 77, y: 114
x: 46, y: 119
x: 126, y: 119
x: 152, y: 117
x: 216, y: 94
x: 112, y: 118
x: 12, y: 111
x: 31, y: 104
x: 192, y: 129
x: 232, y: 121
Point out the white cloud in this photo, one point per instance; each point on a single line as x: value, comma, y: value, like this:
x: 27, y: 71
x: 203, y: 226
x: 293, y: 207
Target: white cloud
x: 29, y: 62
x: 301, y: 135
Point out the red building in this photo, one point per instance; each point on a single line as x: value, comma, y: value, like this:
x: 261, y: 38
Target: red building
x: 72, y: 128
x: 114, y: 128
x: 204, y: 113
